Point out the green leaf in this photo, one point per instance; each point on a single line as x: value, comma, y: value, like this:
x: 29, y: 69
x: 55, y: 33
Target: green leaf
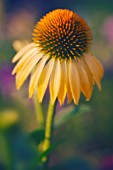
x: 38, y: 161
x: 37, y: 135
x: 49, y: 150
x: 70, y: 112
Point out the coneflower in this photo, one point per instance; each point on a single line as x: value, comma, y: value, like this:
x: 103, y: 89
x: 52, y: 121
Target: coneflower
x: 59, y: 57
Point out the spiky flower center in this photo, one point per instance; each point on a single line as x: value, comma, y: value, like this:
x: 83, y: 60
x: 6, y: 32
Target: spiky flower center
x: 62, y: 34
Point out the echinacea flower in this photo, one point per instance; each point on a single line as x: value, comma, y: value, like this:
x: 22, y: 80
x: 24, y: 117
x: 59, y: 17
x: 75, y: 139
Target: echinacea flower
x: 59, y: 57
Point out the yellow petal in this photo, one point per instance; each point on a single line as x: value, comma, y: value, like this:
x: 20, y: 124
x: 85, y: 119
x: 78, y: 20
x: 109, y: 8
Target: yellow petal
x: 62, y: 89
x: 21, y: 52
x: 55, y: 80
x: 93, y: 69
x: 74, y: 81
x: 25, y: 71
x: 20, y: 44
x: 69, y: 94
x: 44, y: 79
x: 24, y: 60
x: 98, y: 65
x: 36, y: 75
x: 86, y: 79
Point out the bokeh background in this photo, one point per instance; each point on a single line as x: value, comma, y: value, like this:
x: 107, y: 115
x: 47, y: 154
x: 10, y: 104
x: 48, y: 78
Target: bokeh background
x: 86, y: 137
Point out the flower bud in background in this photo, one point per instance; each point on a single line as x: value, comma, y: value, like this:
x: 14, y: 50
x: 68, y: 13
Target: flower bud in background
x: 8, y: 118
x: 18, y: 26
x: 108, y: 29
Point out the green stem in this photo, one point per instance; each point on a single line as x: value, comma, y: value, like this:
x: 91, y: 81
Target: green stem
x: 39, y: 112
x: 48, y: 129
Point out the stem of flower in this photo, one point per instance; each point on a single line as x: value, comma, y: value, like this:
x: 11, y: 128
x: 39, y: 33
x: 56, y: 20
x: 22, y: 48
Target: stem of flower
x: 48, y: 129
x: 39, y: 112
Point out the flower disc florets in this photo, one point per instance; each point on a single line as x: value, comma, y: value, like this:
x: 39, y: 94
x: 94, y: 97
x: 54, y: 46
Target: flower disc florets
x: 62, y: 34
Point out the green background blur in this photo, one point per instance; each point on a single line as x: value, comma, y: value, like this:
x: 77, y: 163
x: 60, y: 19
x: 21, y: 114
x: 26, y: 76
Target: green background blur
x: 87, y: 137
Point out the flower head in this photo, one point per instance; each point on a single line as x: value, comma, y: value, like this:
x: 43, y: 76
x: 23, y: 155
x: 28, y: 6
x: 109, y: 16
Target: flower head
x: 63, y: 34
x: 59, y: 57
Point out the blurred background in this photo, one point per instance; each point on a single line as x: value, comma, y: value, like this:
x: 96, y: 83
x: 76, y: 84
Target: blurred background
x: 86, y: 134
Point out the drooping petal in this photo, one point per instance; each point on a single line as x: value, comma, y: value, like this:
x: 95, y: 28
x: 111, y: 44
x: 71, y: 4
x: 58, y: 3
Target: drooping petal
x: 24, y: 60
x: 21, y: 52
x: 55, y: 80
x: 98, y: 65
x: 62, y: 89
x: 86, y: 78
x: 26, y: 69
x: 93, y: 69
x: 36, y: 75
x: 69, y: 94
x: 74, y: 81
x: 44, y: 79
